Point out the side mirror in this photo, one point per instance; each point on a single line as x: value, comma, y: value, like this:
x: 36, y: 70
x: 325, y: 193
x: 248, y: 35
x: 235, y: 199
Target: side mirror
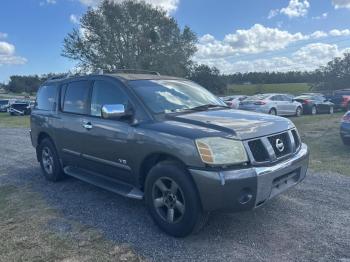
x: 113, y: 111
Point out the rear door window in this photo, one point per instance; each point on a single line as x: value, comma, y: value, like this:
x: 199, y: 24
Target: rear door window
x: 76, y: 98
x: 46, y: 98
x: 106, y: 93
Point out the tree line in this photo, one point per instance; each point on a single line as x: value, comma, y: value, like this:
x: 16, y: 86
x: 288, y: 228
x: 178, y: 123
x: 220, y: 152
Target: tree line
x: 135, y: 35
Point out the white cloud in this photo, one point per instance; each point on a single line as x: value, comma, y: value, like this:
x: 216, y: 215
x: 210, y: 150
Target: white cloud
x: 74, y: 19
x: 273, y: 13
x: 168, y: 5
x: 341, y: 4
x: 255, y: 40
x: 3, y: 35
x: 296, y: 8
x: 318, y: 34
x: 7, y: 55
x: 336, y: 32
x: 308, y: 57
x: 48, y: 2
x: 322, y: 16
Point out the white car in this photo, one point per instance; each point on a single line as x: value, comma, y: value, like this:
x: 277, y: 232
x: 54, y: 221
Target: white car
x: 233, y: 101
x: 274, y: 104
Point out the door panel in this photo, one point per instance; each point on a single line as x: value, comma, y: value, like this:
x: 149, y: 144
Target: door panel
x: 107, y: 142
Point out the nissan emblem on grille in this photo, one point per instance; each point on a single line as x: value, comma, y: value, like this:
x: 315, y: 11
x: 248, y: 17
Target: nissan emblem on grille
x: 279, y: 145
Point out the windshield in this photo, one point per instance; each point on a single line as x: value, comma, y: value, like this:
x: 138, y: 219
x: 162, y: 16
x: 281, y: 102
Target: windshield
x: 166, y: 96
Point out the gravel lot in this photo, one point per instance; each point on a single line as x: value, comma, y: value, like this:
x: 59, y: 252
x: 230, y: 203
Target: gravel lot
x: 309, y: 223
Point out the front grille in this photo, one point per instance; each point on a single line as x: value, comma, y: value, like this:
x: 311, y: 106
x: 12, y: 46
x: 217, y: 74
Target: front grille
x: 258, y: 150
x: 296, y: 138
x: 273, y: 148
x: 281, y: 144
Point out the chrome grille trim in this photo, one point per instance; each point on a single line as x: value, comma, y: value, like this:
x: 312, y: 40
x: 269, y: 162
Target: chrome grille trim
x: 272, y: 157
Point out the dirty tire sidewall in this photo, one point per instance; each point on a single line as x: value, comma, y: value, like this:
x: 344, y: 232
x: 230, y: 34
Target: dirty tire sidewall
x: 57, y: 173
x: 193, y: 213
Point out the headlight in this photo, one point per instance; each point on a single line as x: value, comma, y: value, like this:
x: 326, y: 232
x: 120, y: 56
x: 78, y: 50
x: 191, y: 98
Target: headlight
x: 221, y: 151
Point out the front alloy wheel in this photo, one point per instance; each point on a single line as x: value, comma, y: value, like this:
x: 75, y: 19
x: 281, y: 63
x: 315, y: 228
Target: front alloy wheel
x: 168, y: 200
x: 172, y: 199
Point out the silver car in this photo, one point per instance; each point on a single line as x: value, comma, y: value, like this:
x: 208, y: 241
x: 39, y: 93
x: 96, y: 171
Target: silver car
x: 274, y: 104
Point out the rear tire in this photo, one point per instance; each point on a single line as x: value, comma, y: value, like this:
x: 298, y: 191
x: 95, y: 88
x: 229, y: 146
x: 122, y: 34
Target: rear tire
x: 273, y: 112
x: 331, y: 110
x: 298, y: 112
x: 49, y: 161
x: 172, y: 200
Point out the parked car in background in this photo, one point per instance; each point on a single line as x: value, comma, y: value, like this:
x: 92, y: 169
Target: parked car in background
x: 341, y: 99
x: 233, y: 101
x: 20, y: 108
x: 4, y: 105
x: 345, y: 129
x: 314, y: 103
x: 274, y: 104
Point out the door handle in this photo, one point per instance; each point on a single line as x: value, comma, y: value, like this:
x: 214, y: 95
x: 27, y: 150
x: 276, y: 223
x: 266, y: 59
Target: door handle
x: 87, y: 125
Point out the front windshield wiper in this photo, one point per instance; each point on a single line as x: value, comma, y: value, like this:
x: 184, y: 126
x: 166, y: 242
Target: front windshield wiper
x: 206, y: 107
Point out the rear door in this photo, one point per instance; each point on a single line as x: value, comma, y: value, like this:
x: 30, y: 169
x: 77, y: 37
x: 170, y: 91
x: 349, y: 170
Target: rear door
x: 278, y: 100
x: 75, y: 101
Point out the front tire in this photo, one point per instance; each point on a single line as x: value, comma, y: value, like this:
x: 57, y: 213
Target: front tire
x: 172, y: 199
x: 313, y: 110
x: 49, y: 161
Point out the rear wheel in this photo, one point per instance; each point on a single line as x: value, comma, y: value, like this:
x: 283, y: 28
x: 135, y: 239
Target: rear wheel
x: 273, y: 111
x: 49, y: 161
x: 299, y: 111
x: 331, y: 110
x: 172, y: 200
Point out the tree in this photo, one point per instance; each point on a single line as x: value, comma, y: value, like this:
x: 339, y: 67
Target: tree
x: 132, y: 35
x: 335, y: 75
x: 209, y: 77
x: 27, y: 84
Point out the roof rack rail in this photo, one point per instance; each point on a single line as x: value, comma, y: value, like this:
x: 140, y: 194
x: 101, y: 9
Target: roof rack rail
x: 136, y: 71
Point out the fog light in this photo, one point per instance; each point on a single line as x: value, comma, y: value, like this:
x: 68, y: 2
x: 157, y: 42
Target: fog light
x: 245, y: 196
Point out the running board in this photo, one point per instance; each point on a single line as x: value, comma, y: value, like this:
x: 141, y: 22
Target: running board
x: 106, y: 183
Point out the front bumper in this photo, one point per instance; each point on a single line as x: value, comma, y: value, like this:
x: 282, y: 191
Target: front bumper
x: 345, y: 130
x: 248, y: 188
x: 262, y: 109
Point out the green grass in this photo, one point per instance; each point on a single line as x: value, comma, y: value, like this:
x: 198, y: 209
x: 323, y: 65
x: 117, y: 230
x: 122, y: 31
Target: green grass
x: 27, y: 234
x: 321, y: 134
x: 292, y: 88
x: 6, y: 120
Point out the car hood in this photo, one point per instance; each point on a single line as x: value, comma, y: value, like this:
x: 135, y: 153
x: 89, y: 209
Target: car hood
x: 241, y: 124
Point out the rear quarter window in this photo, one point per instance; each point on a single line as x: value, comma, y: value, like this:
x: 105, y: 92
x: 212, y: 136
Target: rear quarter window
x: 46, y: 98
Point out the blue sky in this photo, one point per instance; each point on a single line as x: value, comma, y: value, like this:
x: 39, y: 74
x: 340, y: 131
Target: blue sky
x: 234, y: 35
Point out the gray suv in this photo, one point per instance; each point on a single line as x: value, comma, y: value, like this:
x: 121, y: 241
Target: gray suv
x: 167, y: 141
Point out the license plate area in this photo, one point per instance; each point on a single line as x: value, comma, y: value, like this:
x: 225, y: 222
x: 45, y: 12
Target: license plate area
x: 281, y: 183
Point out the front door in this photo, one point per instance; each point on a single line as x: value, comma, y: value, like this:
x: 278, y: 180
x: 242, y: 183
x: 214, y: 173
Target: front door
x: 107, y: 144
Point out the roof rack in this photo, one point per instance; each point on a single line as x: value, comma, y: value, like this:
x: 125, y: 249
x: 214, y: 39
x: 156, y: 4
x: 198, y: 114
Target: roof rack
x: 136, y: 71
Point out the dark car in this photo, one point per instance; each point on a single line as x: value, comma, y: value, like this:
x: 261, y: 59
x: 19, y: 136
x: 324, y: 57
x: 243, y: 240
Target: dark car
x: 341, y: 99
x: 166, y: 140
x: 19, y: 108
x: 4, y: 104
x: 345, y: 129
x: 315, y: 104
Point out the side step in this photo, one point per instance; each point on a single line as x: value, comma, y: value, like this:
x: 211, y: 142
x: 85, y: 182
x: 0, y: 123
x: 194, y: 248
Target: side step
x: 106, y: 183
